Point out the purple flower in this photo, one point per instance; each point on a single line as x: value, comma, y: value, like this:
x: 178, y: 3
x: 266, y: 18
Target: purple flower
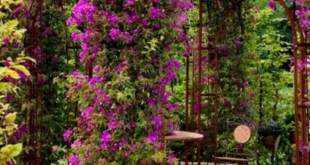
x: 120, y: 67
x: 135, y: 53
x: 243, y: 85
x: 238, y: 42
x: 137, y: 31
x: 66, y: 135
x: 131, y: 18
x: 272, y: 5
x: 97, y: 68
x: 303, y: 147
x: 157, y: 25
x: 89, y: 47
x: 302, y: 12
x: 77, y: 143
x: 156, y: 1
x: 242, y: 103
x: 132, y: 125
x: 128, y: 38
x: 130, y: 2
x: 157, y: 121
x: 94, y: 80
x: 304, y: 22
x: 179, y: 23
x: 87, y: 112
x: 173, y: 107
x: 183, y: 5
x: 87, y: 155
x: 167, y: 48
x: 114, y: 33
x: 22, y: 75
x: 112, y: 125
x: 151, y: 102
x: 154, y: 12
x: 74, y: 160
x: 196, y: 109
x: 105, y: 137
x: 115, y: 146
x: 152, y: 138
x: 145, y: 22
x: 165, y: 96
x: 83, y: 11
x: 113, y: 19
x: 172, y: 76
x: 227, y: 103
x: 165, y: 81
x: 7, y: 62
x: 168, y: 78
x: 111, y: 116
x: 75, y: 37
x: 172, y: 64
x: 6, y: 40
x: 172, y: 156
x: 22, y: 130
x: 252, y: 94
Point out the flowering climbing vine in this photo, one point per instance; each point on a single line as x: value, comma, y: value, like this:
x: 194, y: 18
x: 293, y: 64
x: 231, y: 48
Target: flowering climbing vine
x: 122, y: 95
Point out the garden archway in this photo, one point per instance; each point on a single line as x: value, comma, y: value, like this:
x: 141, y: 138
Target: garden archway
x: 300, y: 46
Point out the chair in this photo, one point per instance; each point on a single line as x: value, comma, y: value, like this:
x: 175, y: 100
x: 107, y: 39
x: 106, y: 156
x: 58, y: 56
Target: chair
x: 242, y: 134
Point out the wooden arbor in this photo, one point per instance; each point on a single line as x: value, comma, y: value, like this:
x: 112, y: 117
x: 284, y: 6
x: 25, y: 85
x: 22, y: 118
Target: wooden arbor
x: 205, y: 63
x: 301, y: 104
x: 195, y: 92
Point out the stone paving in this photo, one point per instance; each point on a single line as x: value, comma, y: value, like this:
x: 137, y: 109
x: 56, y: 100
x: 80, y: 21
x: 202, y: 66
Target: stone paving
x: 205, y: 163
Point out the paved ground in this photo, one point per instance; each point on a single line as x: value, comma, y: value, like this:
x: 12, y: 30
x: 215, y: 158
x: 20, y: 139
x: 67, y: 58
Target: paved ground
x: 205, y: 163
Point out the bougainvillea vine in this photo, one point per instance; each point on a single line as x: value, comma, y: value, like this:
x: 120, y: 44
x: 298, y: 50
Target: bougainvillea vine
x: 125, y: 104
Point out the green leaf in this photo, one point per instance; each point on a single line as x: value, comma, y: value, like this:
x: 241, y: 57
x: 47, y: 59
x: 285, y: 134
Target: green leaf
x: 5, y: 107
x: 120, y: 96
x: 11, y: 24
x: 22, y: 68
x: 10, y: 118
x: 2, y: 69
x: 12, y: 73
x: 6, y: 87
x: 21, y: 59
x: 12, y: 151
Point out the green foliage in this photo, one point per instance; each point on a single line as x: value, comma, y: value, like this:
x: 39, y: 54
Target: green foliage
x: 9, y: 32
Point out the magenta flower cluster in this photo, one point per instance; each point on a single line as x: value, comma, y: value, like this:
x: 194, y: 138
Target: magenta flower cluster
x: 124, y: 103
x: 272, y: 4
x: 82, y: 11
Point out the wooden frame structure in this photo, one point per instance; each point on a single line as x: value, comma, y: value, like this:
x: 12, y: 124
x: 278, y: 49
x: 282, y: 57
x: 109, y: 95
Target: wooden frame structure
x: 194, y: 89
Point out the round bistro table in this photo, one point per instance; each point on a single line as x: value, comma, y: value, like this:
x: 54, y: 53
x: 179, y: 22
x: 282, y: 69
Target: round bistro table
x: 183, y: 136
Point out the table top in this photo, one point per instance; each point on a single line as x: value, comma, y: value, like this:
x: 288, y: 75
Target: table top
x: 183, y: 135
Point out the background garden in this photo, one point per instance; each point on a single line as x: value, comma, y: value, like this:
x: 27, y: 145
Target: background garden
x: 102, y: 82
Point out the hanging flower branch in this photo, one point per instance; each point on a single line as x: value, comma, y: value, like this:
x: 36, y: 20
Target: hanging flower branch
x: 302, y: 12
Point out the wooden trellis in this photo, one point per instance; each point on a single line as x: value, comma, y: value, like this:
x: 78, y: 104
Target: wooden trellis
x: 194, y: 90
